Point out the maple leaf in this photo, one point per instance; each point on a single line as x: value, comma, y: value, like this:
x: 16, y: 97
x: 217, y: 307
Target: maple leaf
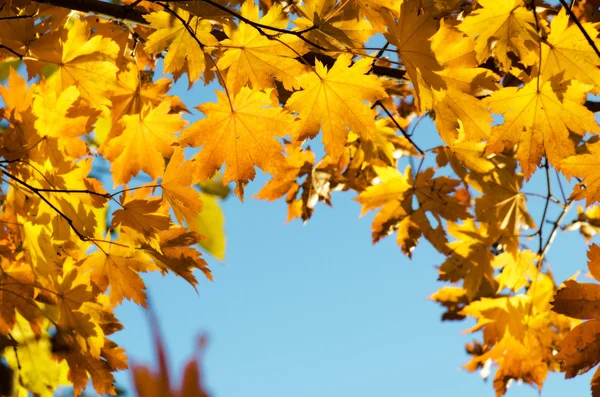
x: 502, y: 205
x: 454, y: 109
x: 538, y: 118
x: 143, y: 218
x: 501, y: 27
x: 16, y: 32
x: 330, y: 23
x: 516, y: 333
x: 395, y: 195
x: 86, y: 62
x: 175, y: 254
x: 158, y: 384
x: 17, y: 96
x: 135, y: 89
x: 515, y: 269
x: 17, y: 296
x: 584, y: 166
x: 81, y: 363
x: 144, y: 143
x: 32, y: 360
x: 118, y: 267
x: 179, y: 34
x: 470, y: 257
x: 253, y: 58
x: 71, y: 293
x: 334, y: 101
x: 453, y: 299
x: 580, y: 350
x: 77, y: 211
x: 464, y: 155
x: 411, y: 32
x: 184, y: 200
x: 297, y: 163
x: 55, y: 122
x: 241, y: 134
x: 567, y: 52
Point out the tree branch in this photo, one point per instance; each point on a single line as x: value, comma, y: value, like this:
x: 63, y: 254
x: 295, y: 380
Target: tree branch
x: 123, y: 12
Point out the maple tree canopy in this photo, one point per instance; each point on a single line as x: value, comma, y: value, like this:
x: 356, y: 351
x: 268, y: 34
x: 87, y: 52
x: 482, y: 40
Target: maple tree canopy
x: 510, y: 85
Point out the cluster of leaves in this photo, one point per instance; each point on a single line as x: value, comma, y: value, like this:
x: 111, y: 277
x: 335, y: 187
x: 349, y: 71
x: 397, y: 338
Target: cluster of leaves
x: 507, y: 83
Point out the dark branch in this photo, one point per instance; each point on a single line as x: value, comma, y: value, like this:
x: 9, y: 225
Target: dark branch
x: 126, y: 13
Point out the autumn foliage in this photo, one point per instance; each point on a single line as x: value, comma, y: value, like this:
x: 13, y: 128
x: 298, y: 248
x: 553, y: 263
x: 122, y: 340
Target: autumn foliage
x: 509, y: 84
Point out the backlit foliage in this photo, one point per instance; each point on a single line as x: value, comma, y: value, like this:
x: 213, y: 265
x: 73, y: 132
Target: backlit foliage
x: 510, y: 86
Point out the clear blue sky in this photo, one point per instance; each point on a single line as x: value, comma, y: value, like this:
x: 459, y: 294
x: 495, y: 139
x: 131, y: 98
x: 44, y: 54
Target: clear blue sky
x: 317, y: 310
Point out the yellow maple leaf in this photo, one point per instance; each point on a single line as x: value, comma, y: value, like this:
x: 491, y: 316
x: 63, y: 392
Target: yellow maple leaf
x: 464, y: 155
x: 470, y: 257
x: 501, y: 27
x: 144, y: 143
x: 334, y: 101
x: 78, y: 208
x: 585, y: 166
x: 176, y: 191
x: 333, y: 24
x: 568, y: 53
x: 253, y: 58
x: 117, y: 267
x: 51, y: 107
x: 411, y: 32
x: 241, y: 134
x: 88, y: 63
x: 143, y: 218
x: 516, y: 269
x: 17, y: 96
x: 456, y: 111
x: 135, y: 89
x: 184, y: 52
x: 519, y: 334
x: 72, y: 291
x: 502, y: 205
x: 538, y: 118
x: 395, y: 196
x: 176, y: 254
x: 17, y: 296
x: 32, y: 359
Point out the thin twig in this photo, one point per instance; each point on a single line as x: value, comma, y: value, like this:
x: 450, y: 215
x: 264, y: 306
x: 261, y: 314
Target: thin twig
x: 11, y: 51
x: 545, y: 212
x: 391, y: 116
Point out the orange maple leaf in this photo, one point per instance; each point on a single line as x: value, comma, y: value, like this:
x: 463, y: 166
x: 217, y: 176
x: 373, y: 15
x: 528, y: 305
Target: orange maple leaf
x: 334, y: 101
x: 144, y: 143
x: 580, y: 349
x: 240, y: 132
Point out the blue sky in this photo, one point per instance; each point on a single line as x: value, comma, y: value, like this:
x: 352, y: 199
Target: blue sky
x: 316, y: 309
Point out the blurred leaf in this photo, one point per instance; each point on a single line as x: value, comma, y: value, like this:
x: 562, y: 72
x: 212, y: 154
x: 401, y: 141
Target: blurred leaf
x: 210, y: 223
x: 215, y: 187
x: 5, y: 68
